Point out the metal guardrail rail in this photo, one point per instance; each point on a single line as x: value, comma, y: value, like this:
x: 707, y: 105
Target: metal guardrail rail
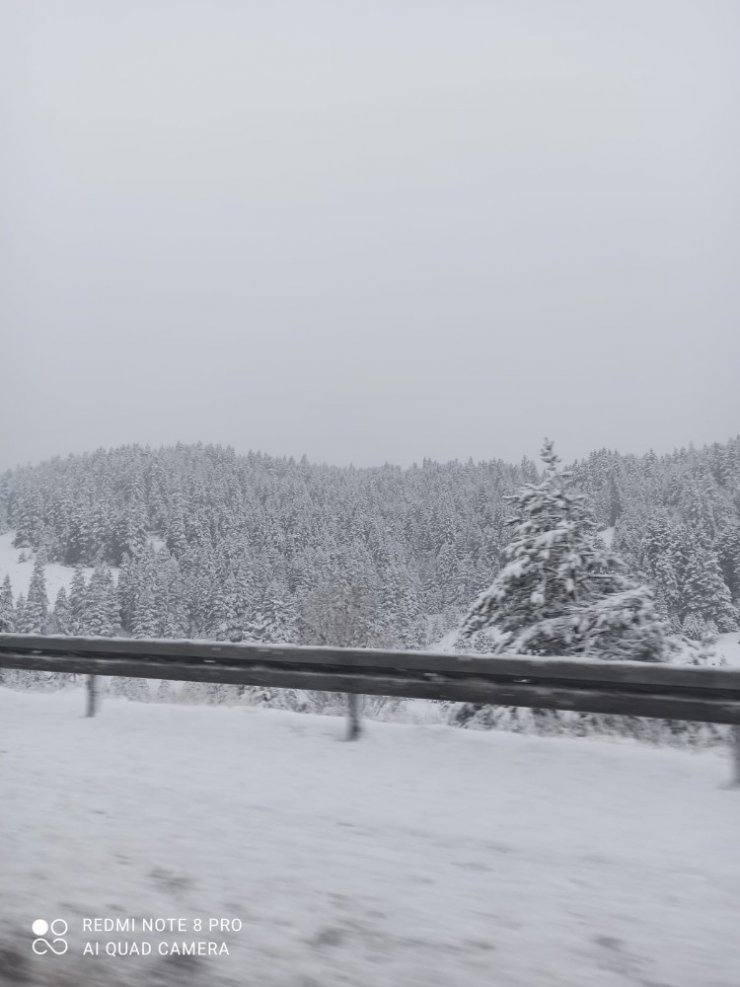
x: 709, y: 695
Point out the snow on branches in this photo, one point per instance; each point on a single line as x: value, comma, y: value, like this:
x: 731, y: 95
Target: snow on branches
x: 562, y: 591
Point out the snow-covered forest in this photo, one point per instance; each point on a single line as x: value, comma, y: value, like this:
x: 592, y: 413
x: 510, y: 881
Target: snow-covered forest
x: 198, y: 541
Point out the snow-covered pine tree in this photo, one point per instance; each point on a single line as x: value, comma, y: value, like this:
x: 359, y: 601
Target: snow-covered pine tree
x: 126, y: 592
x: 22, y: 623
x: 146, y: 613
x: 37, y: 602
x: 657, y: 542
x: 60, y: 622
x: 77, y: 595
x: 703, y: 590
x: 172, y: 594
x: 728, y: 551
x: 62, y: 617
x: 32, y: 617
x: 233, y: 626
x: 101, y: 607
x: 175, y: 537
x: 272, y: 620
x: 562, y: 592
x: 7, y: 618
x: 7, y: 614
x: 693, y: 627
x: 256, y: 629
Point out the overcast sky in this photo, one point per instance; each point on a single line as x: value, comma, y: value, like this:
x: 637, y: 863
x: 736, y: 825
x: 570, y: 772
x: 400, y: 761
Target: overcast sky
x: 372, y: 231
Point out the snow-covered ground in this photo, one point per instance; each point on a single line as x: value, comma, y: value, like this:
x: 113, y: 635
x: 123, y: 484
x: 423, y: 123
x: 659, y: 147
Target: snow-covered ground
x: 419, y: 857
x: 728, y: 646
x: 20, y: 572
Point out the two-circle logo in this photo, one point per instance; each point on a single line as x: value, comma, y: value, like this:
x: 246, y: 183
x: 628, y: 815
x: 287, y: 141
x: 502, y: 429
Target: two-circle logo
x: 58, y: 929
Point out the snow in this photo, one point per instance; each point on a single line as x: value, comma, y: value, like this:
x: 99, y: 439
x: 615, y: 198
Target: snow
x: 446, y: 644
x: 728, y: 647
x: 607, y: 537
x: 20, y: 572
x: 418, y: 856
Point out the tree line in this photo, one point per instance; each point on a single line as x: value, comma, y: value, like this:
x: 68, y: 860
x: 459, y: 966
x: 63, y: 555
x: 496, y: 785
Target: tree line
x: 198, y: 541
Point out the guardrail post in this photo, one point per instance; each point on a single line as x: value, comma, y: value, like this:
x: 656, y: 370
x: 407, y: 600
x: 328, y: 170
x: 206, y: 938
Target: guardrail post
x: 92, y: 695
x: 353, y: 716
x: 735, y: 751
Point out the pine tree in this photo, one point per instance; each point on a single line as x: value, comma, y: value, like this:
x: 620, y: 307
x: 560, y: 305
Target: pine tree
x: 175, y: 537
x: 693, y: 627
x: 37, y: 602
x: 273, y: 620
x: 256, y: 630
x: 703, y: 591
x: 23, y: 620
x: 172, y: 595
x: 101, y: 609
x: 7, y: 614
x: 145, y: 617
x: 77, y: 604
x: 728, y: 550
x: 62, y: 613
x: 126, y: 593
x: 561, y: 591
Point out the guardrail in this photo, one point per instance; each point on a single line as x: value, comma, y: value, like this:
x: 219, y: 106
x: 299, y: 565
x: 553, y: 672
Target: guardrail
x: 709, y: 695
x: 678, y: 692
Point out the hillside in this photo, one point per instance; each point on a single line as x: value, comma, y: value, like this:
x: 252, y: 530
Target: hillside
x: 214, y: 544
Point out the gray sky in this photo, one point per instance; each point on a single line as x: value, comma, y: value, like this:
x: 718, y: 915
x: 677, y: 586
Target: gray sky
x: 369, y: 231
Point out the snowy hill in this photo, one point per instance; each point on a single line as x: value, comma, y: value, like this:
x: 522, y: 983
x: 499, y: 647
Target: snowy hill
x: 418, y: 856
x: 426, y: 539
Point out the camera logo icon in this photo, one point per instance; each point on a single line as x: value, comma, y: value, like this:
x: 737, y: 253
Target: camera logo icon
x: 57, y: 929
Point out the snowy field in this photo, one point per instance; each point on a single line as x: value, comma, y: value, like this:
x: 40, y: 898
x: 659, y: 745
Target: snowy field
x: 20, y: 572
x: 728, y: 647
x: 56, y: 575
x: 419, y: 856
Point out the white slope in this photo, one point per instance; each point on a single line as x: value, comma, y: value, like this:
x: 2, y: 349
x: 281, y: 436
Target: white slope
x: 728, y: 647
x: 56, y: 575
x: 20, y: 572
x: 417, y: 857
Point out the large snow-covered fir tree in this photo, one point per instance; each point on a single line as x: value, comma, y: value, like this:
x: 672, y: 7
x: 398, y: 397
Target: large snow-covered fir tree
x: 562, y: 591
